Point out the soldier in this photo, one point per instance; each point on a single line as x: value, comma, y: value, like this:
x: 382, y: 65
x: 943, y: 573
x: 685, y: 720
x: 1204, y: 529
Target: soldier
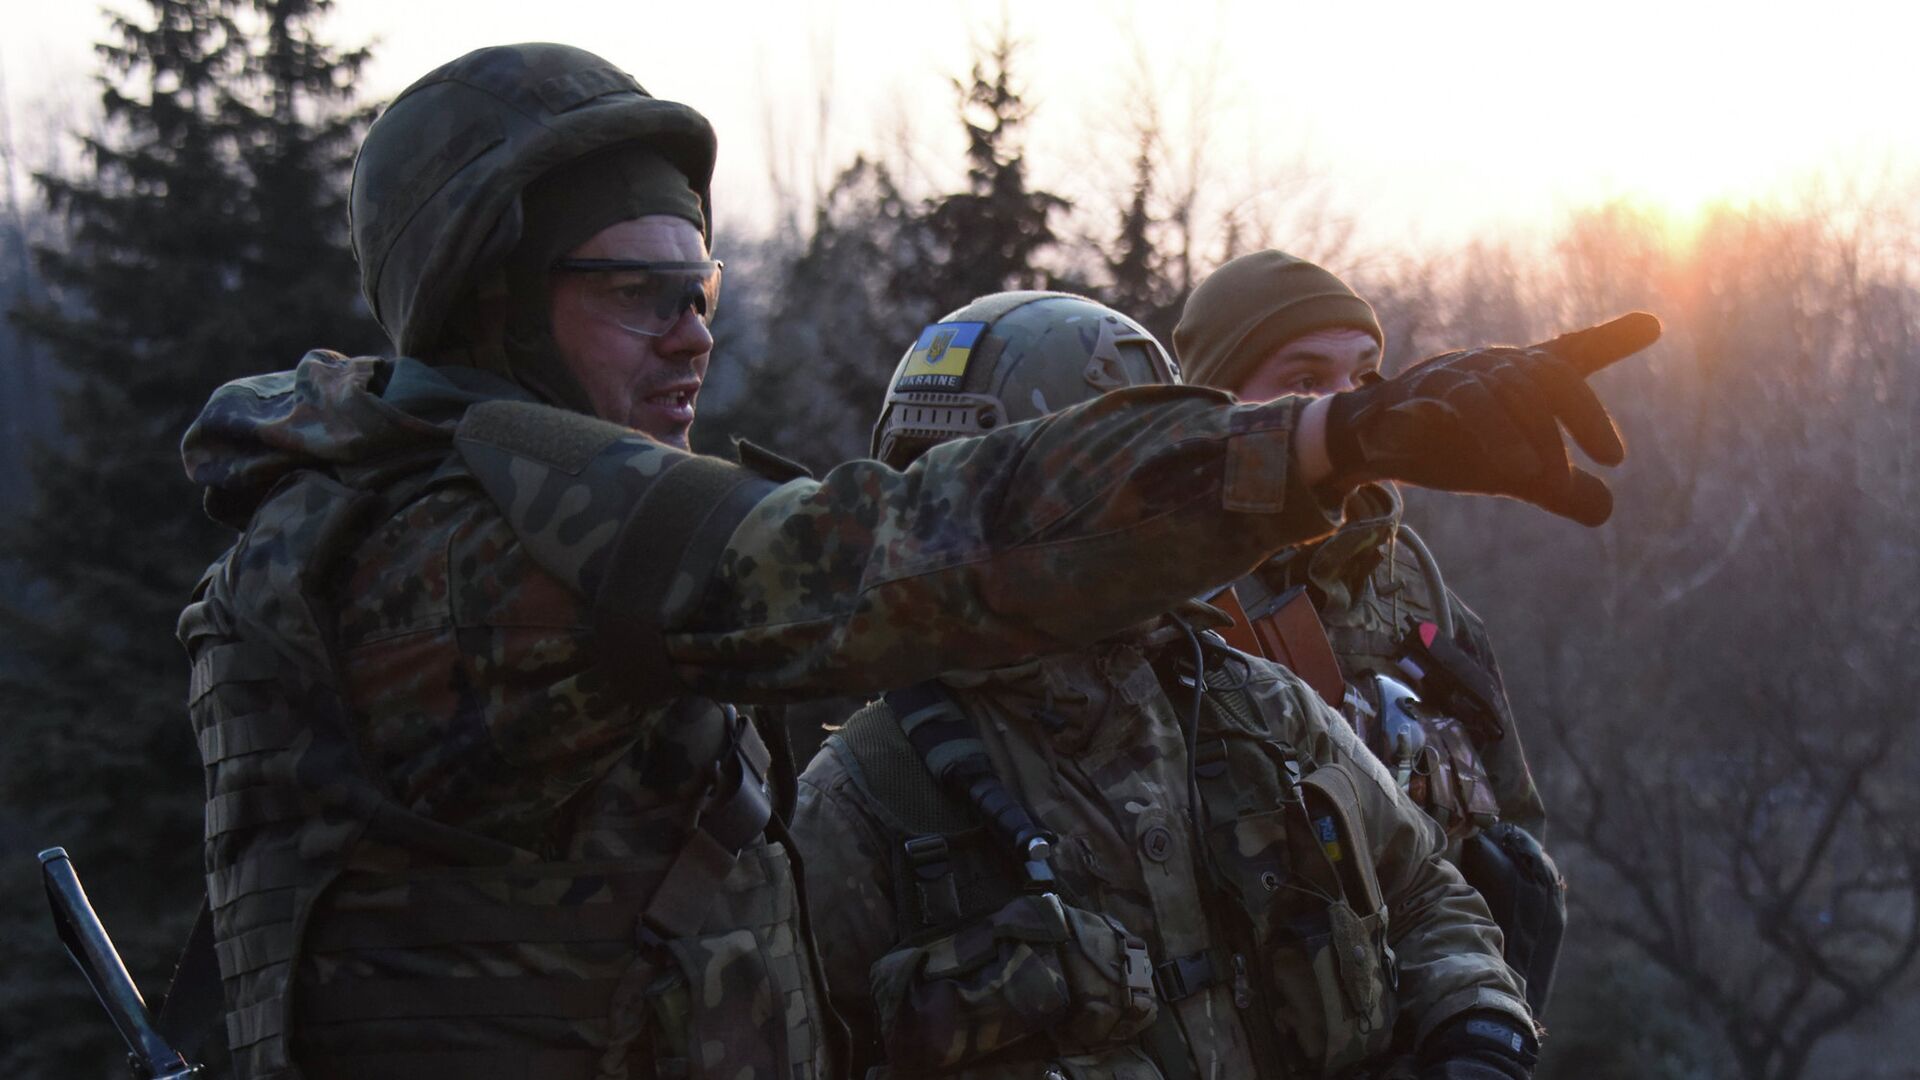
x: 1266, y: 325
x: 1151, y: 857
x: 476, y: 804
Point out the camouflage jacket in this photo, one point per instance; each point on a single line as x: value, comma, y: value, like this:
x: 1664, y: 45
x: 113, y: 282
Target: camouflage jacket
x: 1370, y: 589
x: 1259, y: 969
x: 522, y: 671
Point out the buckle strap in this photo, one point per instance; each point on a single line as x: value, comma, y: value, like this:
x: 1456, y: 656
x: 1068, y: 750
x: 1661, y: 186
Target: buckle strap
x: 1185, y: 976
x: 930, y: 866
x: 739, y: 816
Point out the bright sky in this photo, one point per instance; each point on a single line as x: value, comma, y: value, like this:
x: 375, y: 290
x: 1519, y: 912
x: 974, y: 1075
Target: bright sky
x: 1422, y: 121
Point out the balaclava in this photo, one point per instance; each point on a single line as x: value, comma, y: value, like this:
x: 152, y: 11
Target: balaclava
x: 562, y: 210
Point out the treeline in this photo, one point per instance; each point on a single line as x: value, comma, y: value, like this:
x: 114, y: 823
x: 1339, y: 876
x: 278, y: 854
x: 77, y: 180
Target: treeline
x: 1716, y: 688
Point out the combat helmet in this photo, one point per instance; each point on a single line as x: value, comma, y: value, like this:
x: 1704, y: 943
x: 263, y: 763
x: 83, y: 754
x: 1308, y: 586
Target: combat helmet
x: 435, y: 204
x: 1009, y: 357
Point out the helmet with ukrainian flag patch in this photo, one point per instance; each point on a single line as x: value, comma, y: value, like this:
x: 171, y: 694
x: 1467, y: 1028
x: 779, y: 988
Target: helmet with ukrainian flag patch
x: 1009, y: 357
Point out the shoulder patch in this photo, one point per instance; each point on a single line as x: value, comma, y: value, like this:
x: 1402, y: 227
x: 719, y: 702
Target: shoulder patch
x: 558, y: 438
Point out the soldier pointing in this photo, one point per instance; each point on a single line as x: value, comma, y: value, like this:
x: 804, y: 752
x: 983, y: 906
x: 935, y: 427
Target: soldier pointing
x: 1269, y: 324
x: 482, y: 800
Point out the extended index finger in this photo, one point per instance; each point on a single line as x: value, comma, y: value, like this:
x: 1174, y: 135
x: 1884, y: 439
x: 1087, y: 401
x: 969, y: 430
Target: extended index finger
x: 1596, y: 347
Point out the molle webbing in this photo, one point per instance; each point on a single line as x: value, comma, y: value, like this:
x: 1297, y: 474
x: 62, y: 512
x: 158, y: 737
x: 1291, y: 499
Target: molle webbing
x: 894, y: 777
x: 944, y: 737
x: 924, y: 820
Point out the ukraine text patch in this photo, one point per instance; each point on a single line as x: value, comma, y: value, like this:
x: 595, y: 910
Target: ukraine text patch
x: 939, y: 358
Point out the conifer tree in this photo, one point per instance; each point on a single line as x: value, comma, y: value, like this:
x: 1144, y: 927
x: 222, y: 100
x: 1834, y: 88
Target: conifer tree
x: 987, y: 237
x: 206, y: 241
x: 1139, y: 284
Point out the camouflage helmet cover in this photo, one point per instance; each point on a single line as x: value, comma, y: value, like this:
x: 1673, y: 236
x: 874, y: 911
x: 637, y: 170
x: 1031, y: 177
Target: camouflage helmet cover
x: 1010, y: 357
x: 435, y: 204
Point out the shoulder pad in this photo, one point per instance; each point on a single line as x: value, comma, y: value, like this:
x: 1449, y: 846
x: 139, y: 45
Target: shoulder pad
x: 894, y: 781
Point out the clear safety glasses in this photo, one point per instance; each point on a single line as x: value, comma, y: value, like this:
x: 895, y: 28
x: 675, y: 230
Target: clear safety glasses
x: 647, y: 298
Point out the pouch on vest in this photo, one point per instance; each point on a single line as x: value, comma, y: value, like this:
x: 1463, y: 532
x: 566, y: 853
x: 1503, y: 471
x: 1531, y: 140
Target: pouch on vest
x: 1035, y: 967
x: 1331, y: 965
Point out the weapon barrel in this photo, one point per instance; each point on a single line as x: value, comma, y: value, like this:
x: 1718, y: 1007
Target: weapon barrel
x: 93, y: 952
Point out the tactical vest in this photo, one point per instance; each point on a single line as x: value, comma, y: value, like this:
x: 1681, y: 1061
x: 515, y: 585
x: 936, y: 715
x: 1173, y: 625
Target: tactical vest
x: 1266, y: 984
x: 1373, y: 587
x: 358, y: 939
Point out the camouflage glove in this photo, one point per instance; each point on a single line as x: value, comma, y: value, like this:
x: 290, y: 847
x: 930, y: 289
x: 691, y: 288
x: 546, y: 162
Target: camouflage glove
x: 1488, y: 421
x: 1034, y: 966
x: 1482, y: 1045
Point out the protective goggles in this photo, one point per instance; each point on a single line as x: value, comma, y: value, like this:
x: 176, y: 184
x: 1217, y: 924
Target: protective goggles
x: 647, y: 298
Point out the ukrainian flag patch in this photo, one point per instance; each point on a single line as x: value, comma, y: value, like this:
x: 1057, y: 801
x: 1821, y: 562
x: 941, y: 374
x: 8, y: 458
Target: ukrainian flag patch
x: 939, y: 358
x: 1329, y: 837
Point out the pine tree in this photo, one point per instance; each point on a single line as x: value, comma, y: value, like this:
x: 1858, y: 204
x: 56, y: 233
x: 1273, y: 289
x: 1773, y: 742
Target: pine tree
x: 986, y: 238
x: 832, y: 333
x: 1139, y: 282
x: 206, y: 241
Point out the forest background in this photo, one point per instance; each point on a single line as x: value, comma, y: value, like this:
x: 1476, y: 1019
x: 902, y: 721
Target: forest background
x: 1717, y: 688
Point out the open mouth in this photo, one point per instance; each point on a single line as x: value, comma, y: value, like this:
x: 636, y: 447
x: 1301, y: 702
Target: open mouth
x: 676, y: 403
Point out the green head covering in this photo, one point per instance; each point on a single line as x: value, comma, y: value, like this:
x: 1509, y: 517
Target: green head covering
x: 562, y: 210
x: 1253, y: 305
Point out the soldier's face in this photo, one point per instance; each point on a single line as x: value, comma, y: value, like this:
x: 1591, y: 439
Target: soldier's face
x: 651, y: 384
x: 1324, y: 362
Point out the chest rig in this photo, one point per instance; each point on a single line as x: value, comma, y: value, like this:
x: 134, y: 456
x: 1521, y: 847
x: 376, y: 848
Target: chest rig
x: 356, y: 938
x: 1250, y: 878
x: 1423, y: 695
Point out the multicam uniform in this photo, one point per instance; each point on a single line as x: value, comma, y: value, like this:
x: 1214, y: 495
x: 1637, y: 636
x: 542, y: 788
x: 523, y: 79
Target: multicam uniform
x: 1378, y: 593
x: 1314, y: 928
x: 457, y: 686
x: 1241, y: 889
x: 1372, y: 593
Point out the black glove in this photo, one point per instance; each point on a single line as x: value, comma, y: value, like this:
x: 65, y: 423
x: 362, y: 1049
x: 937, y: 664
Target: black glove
x: 1481, y: 1045
x: 1488, y: 421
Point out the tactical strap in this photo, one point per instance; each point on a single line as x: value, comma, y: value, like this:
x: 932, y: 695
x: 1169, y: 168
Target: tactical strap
x: 894, y: 778
x: 559, y: 997
x: 505, y: 1063
x: 1185, y: 976
x: 1167, y: 1045
x: 930, y: 867
x: 250, y: 808
x: 251, y: 733
x: 678, y: 530
x: 944, y: 737
x: 232, y: 662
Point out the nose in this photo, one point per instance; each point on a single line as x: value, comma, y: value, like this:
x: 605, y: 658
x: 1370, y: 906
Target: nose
x: 688, y: 337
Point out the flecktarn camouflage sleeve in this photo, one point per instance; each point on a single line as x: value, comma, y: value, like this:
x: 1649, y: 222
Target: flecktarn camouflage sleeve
x: 1034, y: 538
